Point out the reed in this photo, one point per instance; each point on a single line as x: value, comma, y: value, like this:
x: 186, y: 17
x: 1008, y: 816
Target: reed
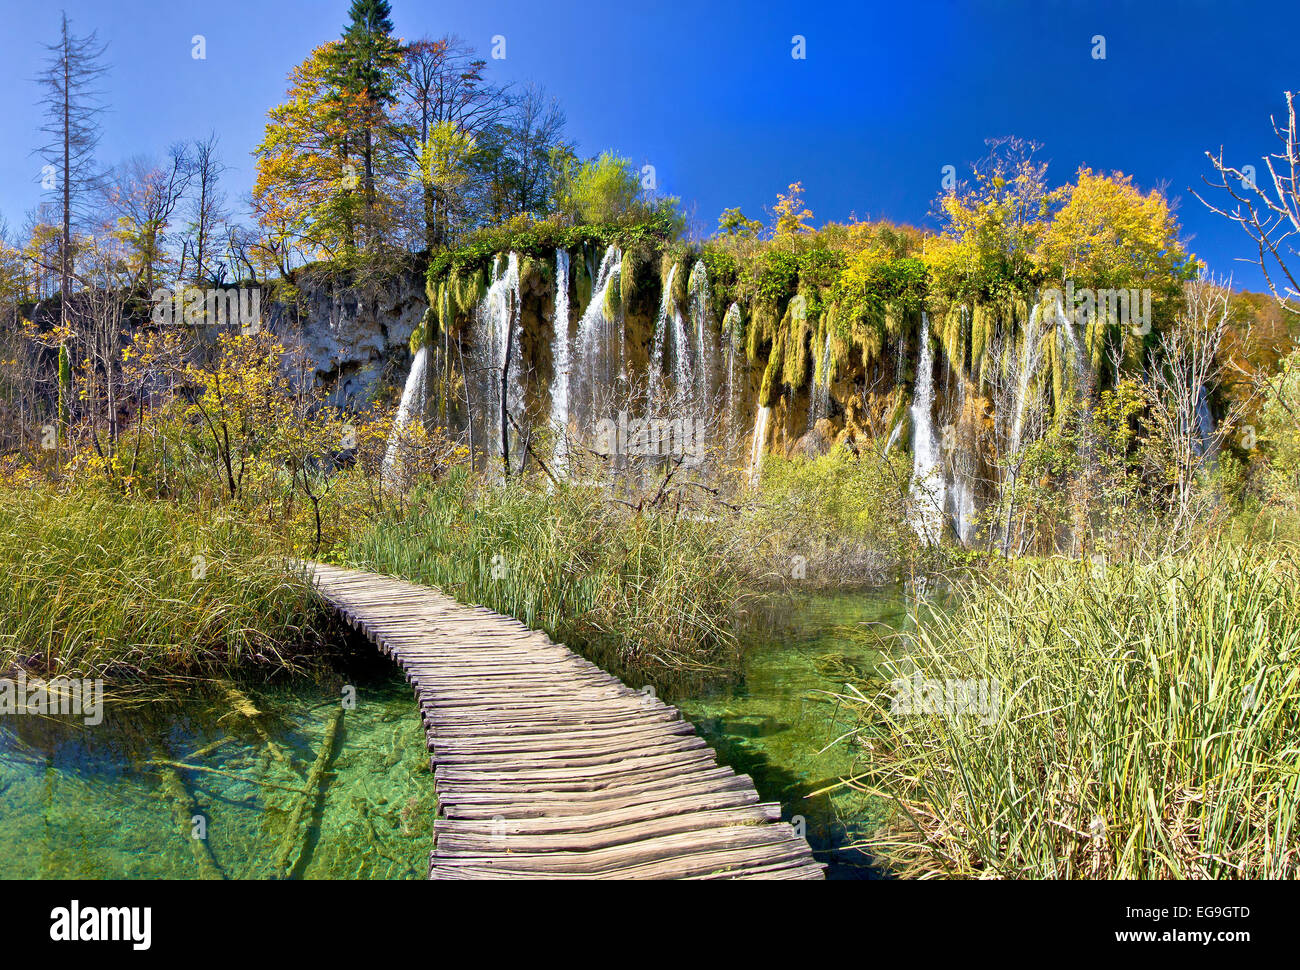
x: 95, y: 585
x: 648, y: 590
x: 1148, y: 724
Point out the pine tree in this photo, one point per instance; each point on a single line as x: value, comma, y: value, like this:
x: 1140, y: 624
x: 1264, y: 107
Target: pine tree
x: 364, y: 69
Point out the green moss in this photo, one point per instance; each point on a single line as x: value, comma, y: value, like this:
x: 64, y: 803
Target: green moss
x: 767, y: 390
x: 761, y: 331
x: 613, y: 300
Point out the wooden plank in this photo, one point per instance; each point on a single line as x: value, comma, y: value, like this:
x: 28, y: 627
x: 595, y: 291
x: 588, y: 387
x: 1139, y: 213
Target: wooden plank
x: 547, y: 766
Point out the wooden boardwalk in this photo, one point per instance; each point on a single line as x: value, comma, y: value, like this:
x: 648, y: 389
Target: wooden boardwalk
x: 548, y: 767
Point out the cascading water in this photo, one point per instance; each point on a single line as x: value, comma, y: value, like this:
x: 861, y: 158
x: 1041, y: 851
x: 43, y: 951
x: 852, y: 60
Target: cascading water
x: 1067, y: 326
x: 697, y: 288
x: 960, y: 488
x: 1028, y: 365
x: 1203, y: 442
x: 560, y: 363
x: 756, y: 449
x: 819, y: 401
x: 927, y: 481
x: 670, y: 326
x: 498, y: 334
x: 893, y: 436
x: 599, y: 344
x: 731, y: 337
x: 412, y: 399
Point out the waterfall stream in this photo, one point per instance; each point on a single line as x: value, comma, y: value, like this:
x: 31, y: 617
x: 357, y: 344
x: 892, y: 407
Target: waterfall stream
x: 927, y: 489
x: 498, y: 334
x: 756, y: 448
x: 819, y: 401
x: 599, y: 346
x: 412, y: 398
x: 560, y: 363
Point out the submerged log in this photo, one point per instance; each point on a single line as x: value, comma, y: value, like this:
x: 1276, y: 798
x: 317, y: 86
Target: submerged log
x: 281, y: 866
x: 184, y: 810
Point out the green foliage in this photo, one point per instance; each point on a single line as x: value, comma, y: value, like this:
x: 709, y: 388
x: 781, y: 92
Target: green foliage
x: 97, y: 585
x: 1144, y: 728
x: 646, y: 591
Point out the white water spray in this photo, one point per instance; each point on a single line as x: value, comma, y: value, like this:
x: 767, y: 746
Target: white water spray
x: 560, y: 363
x: 927, y: 482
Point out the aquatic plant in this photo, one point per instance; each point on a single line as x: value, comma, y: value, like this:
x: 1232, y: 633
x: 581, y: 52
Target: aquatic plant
x: 99, y: 585
x: 1146, y: 728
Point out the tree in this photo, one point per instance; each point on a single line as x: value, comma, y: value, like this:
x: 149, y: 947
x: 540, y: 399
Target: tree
x: 732, y: 222
x: 140, y: 200
x: 443, y: 84
x: 363, y: 70
x: 791, y: 217
x: 443, y: 172
x: 604, y: 189
x: 72, y: 110
x: 1108, y: 234
x: 994, y: 224
x: 1268, y: 209
x: 302, y: 195
x: 207, y: 209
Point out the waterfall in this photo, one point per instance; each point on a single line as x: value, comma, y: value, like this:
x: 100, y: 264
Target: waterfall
x: 412, y: 398
x: 730, y: 327
x: 1028, y: 364
x: 498, y: 332
x: 819, y: 401
x: 1203, y: 441
x: 893, y: 435
x: 927, y: 483
x: 697, y: 288
x: 599, y: 345
x: 560, y: 363
x: 670, y: 325
x: 1072, y: 338
x: 756, y: 449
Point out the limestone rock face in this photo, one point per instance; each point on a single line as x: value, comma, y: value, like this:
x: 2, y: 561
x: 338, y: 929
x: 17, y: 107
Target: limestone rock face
x: 357, y: 340
x: 815, y: 442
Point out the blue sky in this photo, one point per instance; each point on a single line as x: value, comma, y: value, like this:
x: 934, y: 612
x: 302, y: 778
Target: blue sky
x: 708, y: 92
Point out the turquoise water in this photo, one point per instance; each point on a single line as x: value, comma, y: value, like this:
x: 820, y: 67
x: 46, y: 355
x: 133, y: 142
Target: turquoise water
x: 95, y: 802
x: 119, y: 800
x: 782, y: 722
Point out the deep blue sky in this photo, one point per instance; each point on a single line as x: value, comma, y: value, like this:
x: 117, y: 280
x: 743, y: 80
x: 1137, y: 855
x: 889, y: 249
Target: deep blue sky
x: 709, y: 94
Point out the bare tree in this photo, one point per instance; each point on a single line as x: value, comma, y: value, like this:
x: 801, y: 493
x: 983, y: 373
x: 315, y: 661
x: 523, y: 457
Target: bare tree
x: 442, y: 83
x: 72, y: 109
x: 1186, y: 368
x: 140, y: 200
x: 207, y: 209
x: 1268, y: 209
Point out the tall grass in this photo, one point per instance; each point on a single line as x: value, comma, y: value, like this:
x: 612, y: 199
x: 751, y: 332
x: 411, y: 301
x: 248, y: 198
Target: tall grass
x: 651, y: 589
x: 94, y: 584
x: 1149, y: 725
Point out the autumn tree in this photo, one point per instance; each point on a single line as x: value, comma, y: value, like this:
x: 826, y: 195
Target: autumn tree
x: 140, y: 199
x: 733, y: 222
x: 303, y: 193
x: 791, y: 218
